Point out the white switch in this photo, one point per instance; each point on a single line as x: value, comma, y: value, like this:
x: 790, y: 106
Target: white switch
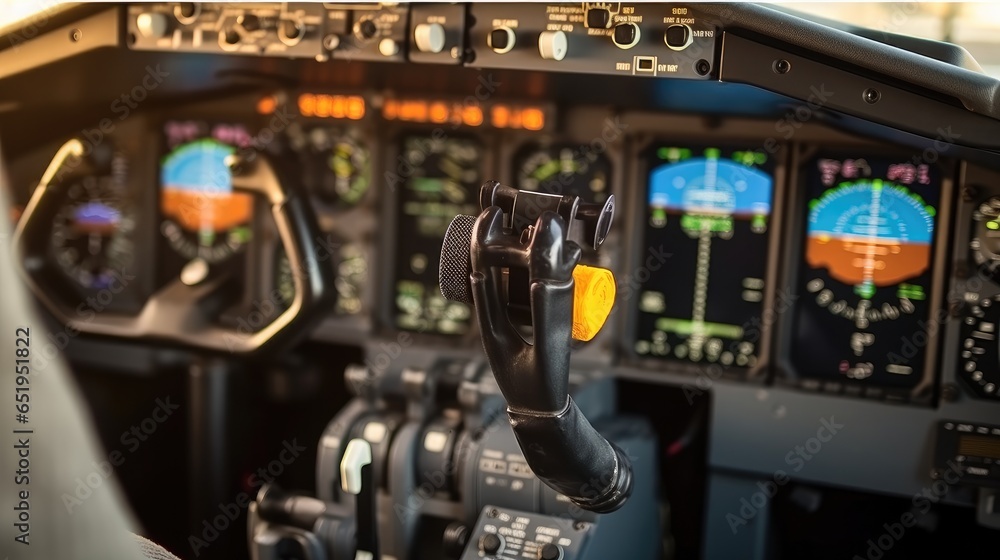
x: 552, y: 45
x: 429, y: 37
x: 388, y: 47
x: 152, y: 25
x: 357, y: 455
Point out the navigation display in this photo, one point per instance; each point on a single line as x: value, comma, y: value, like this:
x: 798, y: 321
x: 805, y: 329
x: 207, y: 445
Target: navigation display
x: 444, y: 182
x: 707, y: 222
x: 866, y: 270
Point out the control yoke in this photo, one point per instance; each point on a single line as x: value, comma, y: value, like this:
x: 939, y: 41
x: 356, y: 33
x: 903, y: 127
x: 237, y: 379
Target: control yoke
x: 521, y: 232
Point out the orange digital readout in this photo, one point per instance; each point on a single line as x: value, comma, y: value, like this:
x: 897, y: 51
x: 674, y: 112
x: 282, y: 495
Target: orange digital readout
x: 332, y: 106
x: 528, y: 118
x: 459, y: 113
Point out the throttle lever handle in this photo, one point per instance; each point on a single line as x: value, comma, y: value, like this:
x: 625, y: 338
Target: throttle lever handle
x: 562, y: 448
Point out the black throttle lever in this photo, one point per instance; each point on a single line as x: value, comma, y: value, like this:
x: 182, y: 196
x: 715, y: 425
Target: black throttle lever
x: 561, y: 446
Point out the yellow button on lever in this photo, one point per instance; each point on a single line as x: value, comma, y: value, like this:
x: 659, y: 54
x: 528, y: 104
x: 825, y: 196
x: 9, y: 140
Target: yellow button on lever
x: 593, y: 298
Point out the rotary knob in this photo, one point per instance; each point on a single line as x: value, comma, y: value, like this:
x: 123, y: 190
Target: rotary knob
x: 550, y: 551
x: 366, y: 29
x: 678, y: 37
x: 626, y: 35
x: 229, y: 39
x: 429, y: 37
x: 553, y: 45
x: 501, y: 39
x: 388, y: 47
x: 151, y: 25
x: 290, y: 32
x: 249, y: 22
x: 491, y: 544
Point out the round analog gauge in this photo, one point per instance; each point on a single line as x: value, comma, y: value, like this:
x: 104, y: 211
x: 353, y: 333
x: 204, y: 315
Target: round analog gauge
x: 351, y: 277
x: 568, y: 169
x: 92, y: 233
x: 202, y: 217
x: 979, y: 362
x: 336, y: 163
x: 985, y: 242
x: 565, y: 169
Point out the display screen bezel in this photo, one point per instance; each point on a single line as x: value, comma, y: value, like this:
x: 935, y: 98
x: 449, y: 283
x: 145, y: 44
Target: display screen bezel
x: 799, y: 197
x: 393, y: 212
x: 630, y: 289
x: 169, y: 269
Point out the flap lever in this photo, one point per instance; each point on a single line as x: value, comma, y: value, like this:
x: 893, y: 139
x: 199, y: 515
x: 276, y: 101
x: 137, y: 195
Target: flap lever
x: 356, y: 478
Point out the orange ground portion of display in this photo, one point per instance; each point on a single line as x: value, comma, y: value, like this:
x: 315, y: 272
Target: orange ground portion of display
x: 853, y: 261
x: 189, y: 208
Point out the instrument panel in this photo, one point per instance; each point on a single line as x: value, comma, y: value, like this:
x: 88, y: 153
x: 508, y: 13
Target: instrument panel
x: 814, y: 267
x: 797, y: 257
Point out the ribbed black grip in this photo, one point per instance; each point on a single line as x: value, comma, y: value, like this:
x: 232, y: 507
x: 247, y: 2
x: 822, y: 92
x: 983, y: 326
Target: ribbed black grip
x: 455, y: 264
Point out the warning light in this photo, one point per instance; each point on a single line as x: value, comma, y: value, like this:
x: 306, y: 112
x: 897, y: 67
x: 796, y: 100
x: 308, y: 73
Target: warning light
x: 472, y: 116
x: 390, y: 110
x: 528, y: 118
x: 307, y: 105
x: 267, y: 105
x: 332, y: 106
x: 500, y: 115
x: 532, y: 118
x: 413, y: 111
x: 355, y: 107
x: 438, y: 111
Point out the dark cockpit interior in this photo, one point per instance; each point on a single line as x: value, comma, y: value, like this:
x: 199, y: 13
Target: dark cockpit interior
x: 565, y: 281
